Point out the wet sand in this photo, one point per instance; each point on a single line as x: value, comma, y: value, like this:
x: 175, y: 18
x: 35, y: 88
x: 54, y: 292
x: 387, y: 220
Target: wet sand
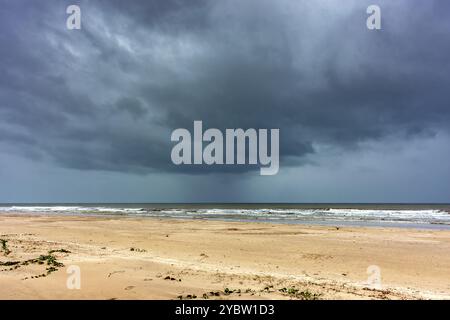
x: 133, y: 258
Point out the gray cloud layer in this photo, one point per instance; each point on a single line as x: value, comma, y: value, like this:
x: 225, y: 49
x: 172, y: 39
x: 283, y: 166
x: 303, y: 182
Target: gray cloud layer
x: 108, y: 96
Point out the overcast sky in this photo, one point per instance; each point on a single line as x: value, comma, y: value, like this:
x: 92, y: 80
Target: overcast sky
x: 86, y: 115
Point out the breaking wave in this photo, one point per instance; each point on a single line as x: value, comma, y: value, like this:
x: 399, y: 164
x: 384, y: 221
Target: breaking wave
x: 430, y: 216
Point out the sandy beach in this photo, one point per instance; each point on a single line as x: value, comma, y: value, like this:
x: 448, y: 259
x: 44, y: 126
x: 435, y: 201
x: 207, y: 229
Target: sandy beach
x: 150, y: 258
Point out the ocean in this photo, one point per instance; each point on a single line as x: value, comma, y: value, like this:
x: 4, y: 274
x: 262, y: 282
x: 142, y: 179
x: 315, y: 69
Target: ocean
x: 429, y: 216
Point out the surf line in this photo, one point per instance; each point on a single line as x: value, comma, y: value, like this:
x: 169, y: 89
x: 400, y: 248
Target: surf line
x: 213, y: 153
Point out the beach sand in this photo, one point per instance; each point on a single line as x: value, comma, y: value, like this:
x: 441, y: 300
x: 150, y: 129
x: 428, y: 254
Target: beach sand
x: 149, y: 258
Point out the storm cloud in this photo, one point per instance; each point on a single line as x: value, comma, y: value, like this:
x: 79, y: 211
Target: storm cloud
x: 108, y: 96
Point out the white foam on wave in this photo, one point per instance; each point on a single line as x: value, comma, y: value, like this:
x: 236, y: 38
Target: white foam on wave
x: 64, y: 209
x: 405, y: 215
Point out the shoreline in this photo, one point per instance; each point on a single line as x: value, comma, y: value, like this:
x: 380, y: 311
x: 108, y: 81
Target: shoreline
x: 124, y: 257
x: 348, y: 215
x: 319, y: 223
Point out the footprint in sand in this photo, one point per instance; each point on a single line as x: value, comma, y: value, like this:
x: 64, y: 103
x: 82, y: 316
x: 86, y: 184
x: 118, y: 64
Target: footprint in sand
x: 114, y: 272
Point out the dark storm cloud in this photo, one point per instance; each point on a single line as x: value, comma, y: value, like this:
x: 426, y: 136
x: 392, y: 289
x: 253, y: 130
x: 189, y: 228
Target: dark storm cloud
x: 108, y: 96
x: 169, y: 14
